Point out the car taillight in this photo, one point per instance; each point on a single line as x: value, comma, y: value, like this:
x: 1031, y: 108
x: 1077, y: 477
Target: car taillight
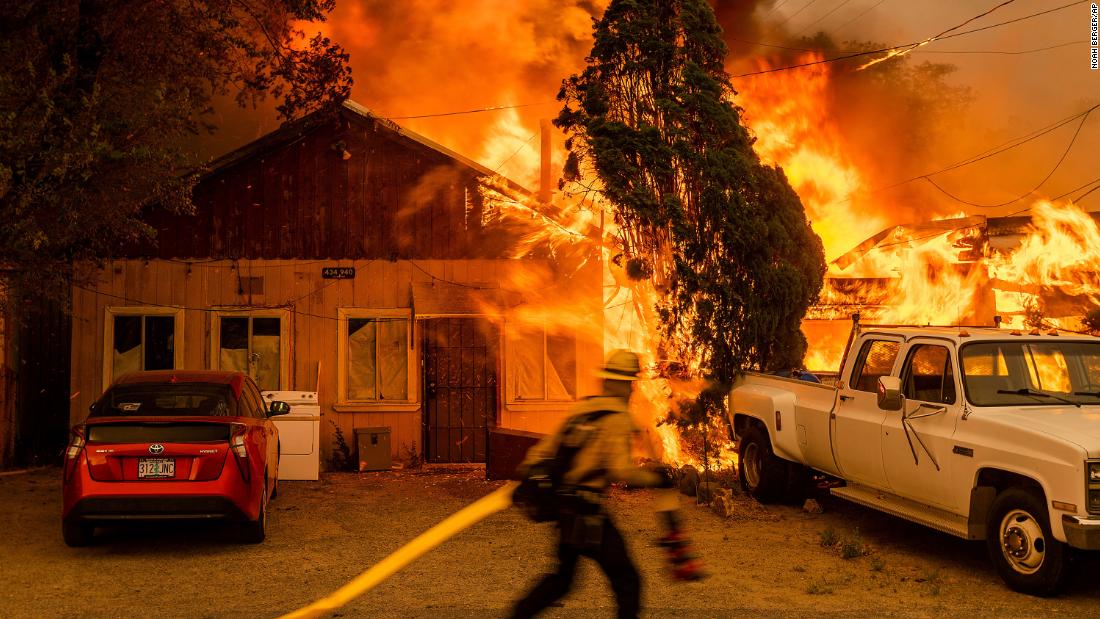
x: 237, y: 433
x: 76, y: 445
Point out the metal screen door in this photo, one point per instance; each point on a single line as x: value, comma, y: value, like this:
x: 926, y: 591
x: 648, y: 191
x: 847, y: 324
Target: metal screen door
x: 460, y: 388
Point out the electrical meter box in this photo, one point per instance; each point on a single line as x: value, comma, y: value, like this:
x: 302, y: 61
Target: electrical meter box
x: 373, y: 445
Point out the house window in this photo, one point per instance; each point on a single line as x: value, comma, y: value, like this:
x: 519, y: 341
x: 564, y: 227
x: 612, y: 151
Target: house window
x: 374, y: 356
x: 253, y: 344
x: 543, y: 365
x: 141, y: 339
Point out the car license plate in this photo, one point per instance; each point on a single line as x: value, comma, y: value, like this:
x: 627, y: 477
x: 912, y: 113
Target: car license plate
x: 152, y: 468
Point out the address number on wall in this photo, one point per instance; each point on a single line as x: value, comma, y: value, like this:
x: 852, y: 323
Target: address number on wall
x: 337, y: 272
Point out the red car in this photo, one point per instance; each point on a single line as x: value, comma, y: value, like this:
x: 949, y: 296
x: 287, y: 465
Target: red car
x: 173, y: 445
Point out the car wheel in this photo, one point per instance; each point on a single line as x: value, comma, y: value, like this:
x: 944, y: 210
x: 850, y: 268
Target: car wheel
x: 1020, y: 544
x: 76, y: 533
x: 254, y: 531
x: 763, y: 474
x: 275, y: 479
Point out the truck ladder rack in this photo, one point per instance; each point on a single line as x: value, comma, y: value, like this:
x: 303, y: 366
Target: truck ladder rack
x: 933, y: 517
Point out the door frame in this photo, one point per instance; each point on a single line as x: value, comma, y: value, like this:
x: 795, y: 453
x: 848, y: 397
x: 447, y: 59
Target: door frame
x: 495, y: 348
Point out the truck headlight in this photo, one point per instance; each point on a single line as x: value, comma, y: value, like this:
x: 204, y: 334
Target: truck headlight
x: 1094, y: 472
x: 1094, y: 501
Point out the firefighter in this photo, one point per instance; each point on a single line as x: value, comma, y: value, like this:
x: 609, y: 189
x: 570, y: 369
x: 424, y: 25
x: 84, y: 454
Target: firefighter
x: 601, y: 456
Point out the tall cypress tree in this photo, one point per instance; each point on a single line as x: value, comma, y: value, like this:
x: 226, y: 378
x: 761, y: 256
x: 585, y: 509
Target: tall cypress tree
x: 723, y: 235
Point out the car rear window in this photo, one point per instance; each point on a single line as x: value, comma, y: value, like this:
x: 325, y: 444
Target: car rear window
x: 166, y: 400
x: 158, y: 432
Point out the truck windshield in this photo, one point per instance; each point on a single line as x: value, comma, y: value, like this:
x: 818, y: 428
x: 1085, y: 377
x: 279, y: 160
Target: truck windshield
x: 1024, y: 373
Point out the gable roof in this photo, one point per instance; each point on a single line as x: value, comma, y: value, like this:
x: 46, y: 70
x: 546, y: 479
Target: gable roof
x: 354, y: 112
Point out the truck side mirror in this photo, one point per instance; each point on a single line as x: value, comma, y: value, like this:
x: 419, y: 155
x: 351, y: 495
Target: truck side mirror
x: 889, y: 393
x: 278, y: 408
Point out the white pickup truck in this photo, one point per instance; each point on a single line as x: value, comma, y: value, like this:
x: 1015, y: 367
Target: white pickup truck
x: 978, y: 432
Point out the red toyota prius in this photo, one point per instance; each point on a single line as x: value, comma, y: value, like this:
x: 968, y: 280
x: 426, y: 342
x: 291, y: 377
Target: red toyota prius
x: 173, y: 445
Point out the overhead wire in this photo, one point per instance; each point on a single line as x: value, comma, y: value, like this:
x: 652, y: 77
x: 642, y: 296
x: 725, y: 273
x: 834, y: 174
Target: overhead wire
x: 1057, y: 165
x: 496, y: 170
x: 494, y: 108
x: 823, y: 17
x: 990, y: 152
x: 918, y: 51
x: 860, y: 16
x: 903, y: 46
x: 795, y: 14
x: 775, y: 8
x: 1094, y: 181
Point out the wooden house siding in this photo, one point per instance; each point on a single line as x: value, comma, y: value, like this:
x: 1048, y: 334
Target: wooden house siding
x: 202, y: 289
x: 341, y: 189
x: 390, y: 198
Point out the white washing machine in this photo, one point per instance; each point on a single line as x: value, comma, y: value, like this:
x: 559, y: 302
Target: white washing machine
x: 299, y: 434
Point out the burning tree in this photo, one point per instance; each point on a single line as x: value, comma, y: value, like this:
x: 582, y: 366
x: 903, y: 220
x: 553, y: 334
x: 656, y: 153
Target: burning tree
x: 98, y: 99
x: 722, y: 236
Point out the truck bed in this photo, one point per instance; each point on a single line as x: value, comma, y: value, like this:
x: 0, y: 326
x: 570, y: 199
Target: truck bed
x: 798, y: 415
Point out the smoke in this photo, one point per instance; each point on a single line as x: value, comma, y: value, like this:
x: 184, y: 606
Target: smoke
x: 893, y: 122
x: 423, y: 57
x: 940, y: 105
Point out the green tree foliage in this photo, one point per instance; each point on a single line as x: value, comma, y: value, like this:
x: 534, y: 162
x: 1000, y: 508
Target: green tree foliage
x: 97, y: 98
x: 723, y: 235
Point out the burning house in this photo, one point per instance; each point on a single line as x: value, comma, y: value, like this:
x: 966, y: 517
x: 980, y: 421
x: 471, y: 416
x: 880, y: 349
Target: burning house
x: 346, y: 255
x: 1024, y: 271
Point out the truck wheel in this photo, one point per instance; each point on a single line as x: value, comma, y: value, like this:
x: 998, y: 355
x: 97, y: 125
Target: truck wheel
x: 1020, y: 544
x: 76, y: 533
x: 763, y: 474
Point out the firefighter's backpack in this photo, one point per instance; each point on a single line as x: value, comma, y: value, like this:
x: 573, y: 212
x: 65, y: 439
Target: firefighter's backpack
x: 541, y: 489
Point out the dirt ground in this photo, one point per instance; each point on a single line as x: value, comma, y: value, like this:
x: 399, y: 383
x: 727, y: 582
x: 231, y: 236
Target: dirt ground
x: 764, y: 561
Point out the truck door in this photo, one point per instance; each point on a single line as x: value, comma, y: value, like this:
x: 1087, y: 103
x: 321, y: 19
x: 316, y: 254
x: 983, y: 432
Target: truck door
x: 857, y: 446
x: 916, y: 441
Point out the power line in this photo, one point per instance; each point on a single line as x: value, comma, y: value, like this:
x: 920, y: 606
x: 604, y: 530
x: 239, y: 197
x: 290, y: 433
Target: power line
x: 904, y: 46
x: 795, y: 14
x: 975, y: 18
x: 516, y: 152
x: 917, y: 51
x: 1018, y: 19
x: 1033, y: 190
x: 1006, y: 53
x: 1082, y: 196
x: 991, y: 152
x: 1059, y: 197
x: 494, y: 108
x: 858, y: 17
x: 823, y: 17
x: 1013, y: 143
x: 775, y: 8
x: 895, y: 53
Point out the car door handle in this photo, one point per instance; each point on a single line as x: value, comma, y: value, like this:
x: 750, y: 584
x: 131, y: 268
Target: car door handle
x: 845, y: 398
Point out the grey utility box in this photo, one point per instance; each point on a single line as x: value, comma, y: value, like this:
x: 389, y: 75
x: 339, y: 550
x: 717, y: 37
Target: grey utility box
x: 373, y: 445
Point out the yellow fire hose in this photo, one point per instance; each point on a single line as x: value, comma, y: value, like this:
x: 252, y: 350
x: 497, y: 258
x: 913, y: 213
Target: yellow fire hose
x: 470, y: 515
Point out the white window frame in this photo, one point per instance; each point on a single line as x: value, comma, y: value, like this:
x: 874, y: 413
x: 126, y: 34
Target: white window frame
x: 139, y: 310
x: 510, y: 390
x: 411, y: 357
x: 284, y: 339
